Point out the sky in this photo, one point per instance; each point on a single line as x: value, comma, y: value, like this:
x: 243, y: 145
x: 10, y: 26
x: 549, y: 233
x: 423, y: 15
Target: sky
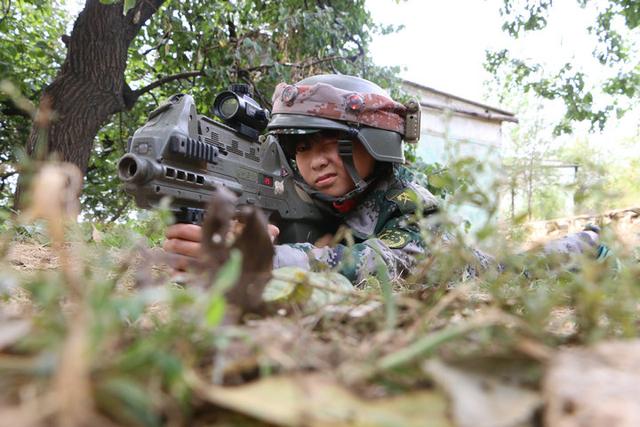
x: 442, y: 44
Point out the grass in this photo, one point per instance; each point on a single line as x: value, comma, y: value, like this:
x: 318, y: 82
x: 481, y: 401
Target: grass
x: 103, y: 324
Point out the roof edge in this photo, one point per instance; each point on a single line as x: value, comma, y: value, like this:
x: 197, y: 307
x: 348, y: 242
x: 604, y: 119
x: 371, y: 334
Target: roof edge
x: 459, y: 98
x: 486, y: 115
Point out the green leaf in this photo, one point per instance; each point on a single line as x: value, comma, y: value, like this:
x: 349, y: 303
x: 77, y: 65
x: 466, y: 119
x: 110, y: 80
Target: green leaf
x: 229, y: 273
x: 127, y: 401
x: 128, y: 5
x: 215, y: 310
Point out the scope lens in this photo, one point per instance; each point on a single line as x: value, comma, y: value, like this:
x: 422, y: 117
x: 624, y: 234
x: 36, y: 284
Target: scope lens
x: 228, y: 107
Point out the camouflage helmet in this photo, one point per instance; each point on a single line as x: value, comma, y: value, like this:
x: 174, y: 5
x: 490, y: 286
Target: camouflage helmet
x: 358, y: 107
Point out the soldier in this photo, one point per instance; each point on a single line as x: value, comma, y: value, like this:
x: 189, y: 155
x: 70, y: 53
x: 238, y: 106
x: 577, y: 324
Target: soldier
x: 343, y: 138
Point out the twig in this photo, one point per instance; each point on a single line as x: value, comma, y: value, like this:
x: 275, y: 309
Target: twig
x: 10, y: 110
x: 118, y: 213
x: 162, y: 42
x: 442, y: 304
x: 185, y: 75
x: 303, y: 64
x: 4, y: 177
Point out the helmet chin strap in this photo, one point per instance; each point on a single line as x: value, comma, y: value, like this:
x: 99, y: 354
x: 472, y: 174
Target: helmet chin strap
x: 345, y: 151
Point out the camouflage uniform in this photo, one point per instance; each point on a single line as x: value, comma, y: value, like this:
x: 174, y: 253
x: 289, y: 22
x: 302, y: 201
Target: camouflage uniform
x: 384, y: 229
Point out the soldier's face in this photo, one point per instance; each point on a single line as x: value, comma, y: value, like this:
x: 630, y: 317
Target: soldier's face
x: 322, y: 168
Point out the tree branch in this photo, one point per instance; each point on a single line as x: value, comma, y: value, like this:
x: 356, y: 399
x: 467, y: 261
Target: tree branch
x: 133, y: 95
x: 138, y: 15
x: 8, y: 109
x: 305, y: 64
x: 118, y: 213
x: 3, y: 179
x: 163, y: 40
x: 6, y: 175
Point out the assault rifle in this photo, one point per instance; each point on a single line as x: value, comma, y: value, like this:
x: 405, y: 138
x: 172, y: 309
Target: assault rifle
x: 185, y: 156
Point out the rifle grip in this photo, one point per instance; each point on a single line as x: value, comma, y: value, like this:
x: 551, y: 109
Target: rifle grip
x: 187, y: 215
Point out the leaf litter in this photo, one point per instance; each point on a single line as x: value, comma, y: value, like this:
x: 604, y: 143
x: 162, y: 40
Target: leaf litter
x: 96, y: 336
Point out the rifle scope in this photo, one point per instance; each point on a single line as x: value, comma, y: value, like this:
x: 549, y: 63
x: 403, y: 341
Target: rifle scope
x: 237, y: 109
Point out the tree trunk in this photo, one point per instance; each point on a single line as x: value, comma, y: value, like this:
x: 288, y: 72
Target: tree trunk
x: 90, y: 86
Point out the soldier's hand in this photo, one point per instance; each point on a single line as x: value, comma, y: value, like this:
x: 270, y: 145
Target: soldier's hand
x: 324, y: 241
x: 183, y: 240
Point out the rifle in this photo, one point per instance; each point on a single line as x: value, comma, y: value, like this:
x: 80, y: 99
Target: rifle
x: 185, y: 156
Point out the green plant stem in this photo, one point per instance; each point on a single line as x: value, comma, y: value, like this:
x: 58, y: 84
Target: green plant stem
x: 429, y: 343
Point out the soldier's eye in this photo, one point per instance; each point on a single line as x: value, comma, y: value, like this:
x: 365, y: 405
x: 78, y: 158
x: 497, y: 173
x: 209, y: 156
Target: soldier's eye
x: 302, y: 147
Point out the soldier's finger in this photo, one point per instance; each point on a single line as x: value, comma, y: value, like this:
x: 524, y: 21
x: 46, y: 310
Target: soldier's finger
x: 324, y: 241
x: 274, y: 231
x: 182, y: 247
x: 179, y: 263
x: 189, y: 232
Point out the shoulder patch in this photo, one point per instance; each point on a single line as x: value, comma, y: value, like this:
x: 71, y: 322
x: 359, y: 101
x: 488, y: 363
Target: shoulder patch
x: 394, y: 238
x: 405, y: 198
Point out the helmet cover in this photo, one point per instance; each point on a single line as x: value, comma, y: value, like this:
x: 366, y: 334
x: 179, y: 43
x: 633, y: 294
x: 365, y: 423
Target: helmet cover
x: 368, y: 105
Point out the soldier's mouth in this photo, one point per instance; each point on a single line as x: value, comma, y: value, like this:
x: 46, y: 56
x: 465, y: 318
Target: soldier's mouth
x: 326, y: 180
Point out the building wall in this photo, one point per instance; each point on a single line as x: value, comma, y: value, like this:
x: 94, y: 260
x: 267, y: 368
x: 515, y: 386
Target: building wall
x: 453, y: 129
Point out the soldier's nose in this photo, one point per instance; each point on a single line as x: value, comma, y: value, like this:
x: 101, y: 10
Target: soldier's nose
x: 319, y: 162
x: 319, y: 159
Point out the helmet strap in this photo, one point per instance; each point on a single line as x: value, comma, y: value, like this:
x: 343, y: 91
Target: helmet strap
x: 345, y: 151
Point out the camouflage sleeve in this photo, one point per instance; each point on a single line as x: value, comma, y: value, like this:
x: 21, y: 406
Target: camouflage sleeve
x: 396, y: 249
x: 573, y: 243
x: 585, y: 242
x: 393, y: 251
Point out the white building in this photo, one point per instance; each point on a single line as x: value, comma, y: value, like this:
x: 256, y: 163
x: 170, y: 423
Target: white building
x: 454, y: 128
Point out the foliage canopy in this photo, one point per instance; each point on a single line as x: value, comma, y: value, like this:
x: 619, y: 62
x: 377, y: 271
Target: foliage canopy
x: 198, y: 47
x: 615, y: 30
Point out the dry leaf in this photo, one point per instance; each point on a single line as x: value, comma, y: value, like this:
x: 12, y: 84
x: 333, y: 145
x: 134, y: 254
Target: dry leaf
x: 55, y: 193
x: 216, y: 226
x: 96, y: 235
x: 596, y: 386
x: 479, y: 400
x: 253, y: 242
x: 72, y: 384
x: 314, y: 400
x: 12, y: 331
